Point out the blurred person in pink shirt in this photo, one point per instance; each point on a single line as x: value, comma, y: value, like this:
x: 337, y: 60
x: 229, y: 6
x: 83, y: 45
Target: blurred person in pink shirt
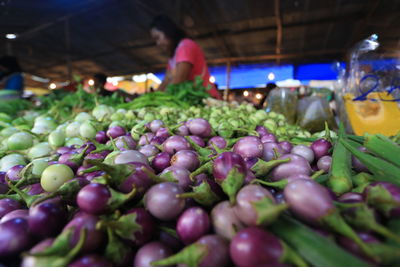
x: 186, y: 58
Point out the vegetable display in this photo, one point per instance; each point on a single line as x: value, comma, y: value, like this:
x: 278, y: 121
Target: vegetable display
x: 154, y: 185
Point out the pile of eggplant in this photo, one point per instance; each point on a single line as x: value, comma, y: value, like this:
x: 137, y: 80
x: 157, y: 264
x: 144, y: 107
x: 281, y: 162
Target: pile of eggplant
x: 107, y: 190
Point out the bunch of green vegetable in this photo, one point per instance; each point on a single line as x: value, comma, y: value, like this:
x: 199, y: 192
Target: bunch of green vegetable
x: 189, y: 92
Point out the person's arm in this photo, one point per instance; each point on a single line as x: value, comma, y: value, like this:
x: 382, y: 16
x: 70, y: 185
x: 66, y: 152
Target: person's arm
x: 165, y: 82
x: 182, y: 72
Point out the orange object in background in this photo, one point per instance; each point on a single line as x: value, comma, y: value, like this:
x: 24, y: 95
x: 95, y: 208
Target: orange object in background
x: 371, y: 116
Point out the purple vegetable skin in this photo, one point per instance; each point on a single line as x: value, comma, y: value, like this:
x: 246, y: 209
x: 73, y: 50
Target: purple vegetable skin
x: 149, y: 150
x: 324, y: 163
x: 151, y: 252
x: 20, y: 213
x: 321, y: 148
x: 253, y: 246
x: 115, y: 131
x: 296, y: 165
x: 94, y: 238
x: 7, y: 205
x: 14, y: 237
x: 161, y: 161
x: 249, y: 146
x: 198, y: 140
x: 147, y: 224
x: 181, y: 175
x: 175, y: 143
x: 90, y: 260
x: 47, y: 218
x: 224, y: 220
x: 101, y: 137
x: 93, y: 198
x: 162, y: 202
x: 218, y: 141
x: 271, y: 151
x: 187, y: 159
x: 199, y: 127
x: 192, y: 224
x: 14, y: 172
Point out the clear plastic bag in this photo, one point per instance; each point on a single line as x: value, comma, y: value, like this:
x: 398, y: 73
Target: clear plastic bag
x: 313, y: 112
x: 368, y: 96
x: 283, y: 101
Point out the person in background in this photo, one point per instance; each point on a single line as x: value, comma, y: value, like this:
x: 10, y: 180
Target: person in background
x: 11, y: 77
x: 186, y: 58
x: 100, y: 80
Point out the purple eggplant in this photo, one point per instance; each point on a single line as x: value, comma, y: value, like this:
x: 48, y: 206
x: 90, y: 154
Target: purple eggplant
x: 198, y: 140
x: 254, y: 246
x: 353, y: 248
x: 32, y: 261
x: 161, y: 161
x: 272, y: 151
x: 157, y: 140
x: 146, y: 223
x: 187, y: 159
x: 101, y: 137
x: 218, y: 141
x: 199, y: 127
x: 308, y: 199
x: 182, y: 130
x: 130, y: 156
x: 163, y: 133
x: 229, y: 170
x: 192, y: 224
x: 171, y: 240
x: 149, y: 150
x: 269, y: 138
x: 261, y: 130
x: 255, y: 205
x: 324, y: 163
x: 125, y: 142
x: 250, y: 176
x: 304, y: 151
x: 14, y: 237
x: 178, y: 174
x: 115, y: 131
x: 175, y: 143
x: 7, y: 205
x: 224, y: 220
x: 93, y: 198
x: 296, y: 165
x: 14, y: 173
x: 313, y: 203
x: 19, y: 213
x: 286, y: 146
x: 90, y: 260
x: 145, y: 139
x: 155, y: 125
x: 151, y: 252
x: 321, y: 148
x: 64, y: 149
x: 351, y: 197
x: 385, y: 197
x: 208, y: 251
x: 249, y: 146
x: 94, y: 238
x: 162, y: 202
x: 72, y: 159
x: 47, y: 218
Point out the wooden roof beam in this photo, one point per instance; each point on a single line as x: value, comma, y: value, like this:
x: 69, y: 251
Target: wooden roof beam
x: 279, y: 28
